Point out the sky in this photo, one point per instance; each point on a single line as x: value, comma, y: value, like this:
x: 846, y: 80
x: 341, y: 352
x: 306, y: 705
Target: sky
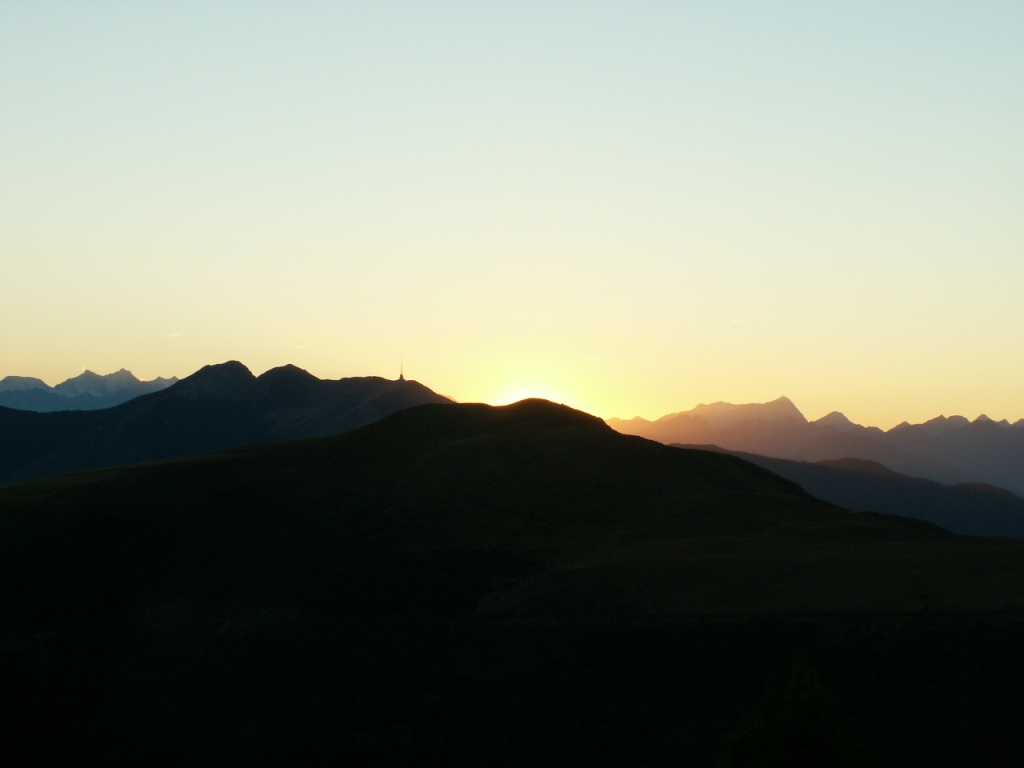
x: 629, y: 207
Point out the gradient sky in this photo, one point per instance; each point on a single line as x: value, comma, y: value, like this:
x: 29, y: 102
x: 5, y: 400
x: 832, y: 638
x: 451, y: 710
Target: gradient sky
x: 631, y: 207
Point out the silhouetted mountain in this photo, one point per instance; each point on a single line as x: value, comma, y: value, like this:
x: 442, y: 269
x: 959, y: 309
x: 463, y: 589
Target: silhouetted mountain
x: 468, y: 585
x: 86, y: 392
x: 982, y: 450
x: 709, y: 419
x: 941, y: 424
x: 726, y: 414
x: 838, y: 422
x: 867, y: 486
x: 219, y: 406
x: 947, y: 450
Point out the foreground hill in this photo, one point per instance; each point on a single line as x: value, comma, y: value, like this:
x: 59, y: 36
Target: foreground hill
x: 218, y: 407
x: 462, y: 584
x: 947, y: 450
x: 86, y: 392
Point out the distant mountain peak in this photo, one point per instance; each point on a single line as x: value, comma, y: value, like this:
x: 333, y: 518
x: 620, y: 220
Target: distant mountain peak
x: 287, y: 372
x: 838, y: 421
x: 22, y: 384
x: 89, y: 391
x: 232, y: 368
x: 724, y: 414
x: 218, y: 380
x: 942, y: 424
x: 95, y: 385
x: 286, y: 381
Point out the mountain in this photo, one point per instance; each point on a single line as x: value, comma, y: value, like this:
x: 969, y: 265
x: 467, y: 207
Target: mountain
x: 220, y: 406
x: 866, y: 486
x: 89, y: 383
x: 947, y: 450
x: 22, y: 384
x: 726, y: 414
x: 838, y: 422
x: 714, y: 417
x: 941, y: 424
x: 86, y: 392
x: 982, y: 450
x: 469, y: 585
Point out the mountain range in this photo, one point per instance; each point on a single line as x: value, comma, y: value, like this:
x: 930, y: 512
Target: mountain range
x: 224, y: 406
x: 219, y: 406
x: 972, y: 509
x: 86, y: 392
x: 467, y: 585
x: 948, y: 450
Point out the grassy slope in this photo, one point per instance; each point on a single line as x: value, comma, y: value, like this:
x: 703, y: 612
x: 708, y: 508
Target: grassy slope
x: 470, y: 584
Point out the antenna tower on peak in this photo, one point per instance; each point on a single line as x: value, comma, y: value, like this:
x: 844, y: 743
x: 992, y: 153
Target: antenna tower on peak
x: 401, y: 370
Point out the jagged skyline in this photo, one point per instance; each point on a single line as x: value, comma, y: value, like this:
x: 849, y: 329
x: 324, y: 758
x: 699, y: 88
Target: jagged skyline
x: 629, y: 208
x: 123, y: 385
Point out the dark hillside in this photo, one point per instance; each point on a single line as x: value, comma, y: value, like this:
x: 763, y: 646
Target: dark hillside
x: 462, y: 584
x: 220, y: 406
x: 26, y: 436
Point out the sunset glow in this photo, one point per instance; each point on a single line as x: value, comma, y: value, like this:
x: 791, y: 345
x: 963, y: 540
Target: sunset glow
x: 628, y: 207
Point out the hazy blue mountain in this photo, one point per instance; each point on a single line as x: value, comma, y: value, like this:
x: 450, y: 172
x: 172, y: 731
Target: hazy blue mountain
x: 85, y: 392
x: 22, y: 384
x: 220, y: 406
x: 949, y: 450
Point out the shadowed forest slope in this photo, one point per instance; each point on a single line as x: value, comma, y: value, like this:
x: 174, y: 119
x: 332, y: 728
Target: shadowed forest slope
x: 462, y: 584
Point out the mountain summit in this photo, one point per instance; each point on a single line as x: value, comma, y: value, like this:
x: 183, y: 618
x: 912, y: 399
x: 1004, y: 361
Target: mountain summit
x: 22, y: 384
x: 89, y: 383
x: 223, y: 379
x: 727, y: 414
x: 88, y: 391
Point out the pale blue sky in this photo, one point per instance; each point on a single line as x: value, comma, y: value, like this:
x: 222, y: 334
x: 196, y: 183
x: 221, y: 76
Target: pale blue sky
x: 633, y: 207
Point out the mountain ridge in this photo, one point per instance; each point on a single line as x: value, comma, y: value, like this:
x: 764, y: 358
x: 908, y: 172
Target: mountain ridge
x: 219, y: 406
x: 87, y: 391
x: 950, y: 450
x: 861, y: 485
